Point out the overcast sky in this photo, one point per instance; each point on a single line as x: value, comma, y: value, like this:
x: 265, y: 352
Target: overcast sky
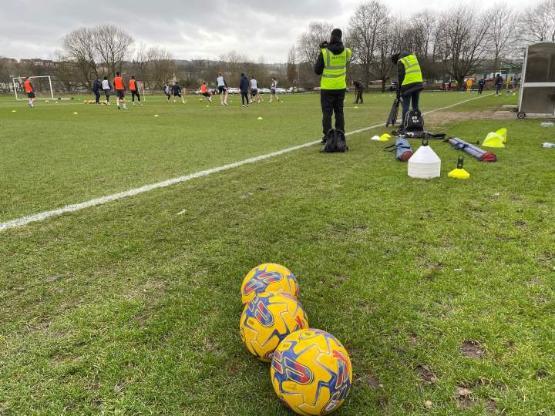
x: 188, y: 28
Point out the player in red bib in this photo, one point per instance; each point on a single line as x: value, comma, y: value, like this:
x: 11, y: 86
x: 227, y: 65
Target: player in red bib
x: 134, y: 88
x: 30, y: 91
x: 119, y: 86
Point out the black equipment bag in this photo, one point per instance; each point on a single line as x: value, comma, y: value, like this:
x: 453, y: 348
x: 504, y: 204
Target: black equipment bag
x: 413, y: 121
x: 335, y: 142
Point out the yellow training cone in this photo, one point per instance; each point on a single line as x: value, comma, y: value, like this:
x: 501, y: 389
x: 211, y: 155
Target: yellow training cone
x: 385, y: 137
x: 460, y: 172
x: 503, y: 133
x: 494, y: 140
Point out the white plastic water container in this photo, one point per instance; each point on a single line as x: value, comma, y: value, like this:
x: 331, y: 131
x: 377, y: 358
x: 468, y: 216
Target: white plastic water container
x: 425, y: 163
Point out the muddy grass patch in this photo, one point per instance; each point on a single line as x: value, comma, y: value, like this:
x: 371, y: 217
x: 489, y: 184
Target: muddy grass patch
x: 370, y: 380
x: 472, y: 349
x: 463, y: 396
x: 446, y: 117
x: 426, y: 375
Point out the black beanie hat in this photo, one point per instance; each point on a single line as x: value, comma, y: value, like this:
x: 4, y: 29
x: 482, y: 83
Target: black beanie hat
x: 337, y: 34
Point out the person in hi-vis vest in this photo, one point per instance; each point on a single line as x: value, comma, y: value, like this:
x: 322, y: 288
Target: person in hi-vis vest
x: 411, y: 81
x: 332, y: 66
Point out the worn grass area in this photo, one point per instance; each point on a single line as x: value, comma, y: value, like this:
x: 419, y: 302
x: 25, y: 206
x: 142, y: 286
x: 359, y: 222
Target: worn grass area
x: 442, y: 291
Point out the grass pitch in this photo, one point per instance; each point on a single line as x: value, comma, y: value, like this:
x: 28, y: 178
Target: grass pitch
x: 442, y: 291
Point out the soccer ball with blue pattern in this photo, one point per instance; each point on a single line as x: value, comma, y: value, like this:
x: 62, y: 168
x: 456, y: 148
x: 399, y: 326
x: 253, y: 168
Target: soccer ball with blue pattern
x: 268, y: 277
x: 311, y: 372
x: 267, y: 320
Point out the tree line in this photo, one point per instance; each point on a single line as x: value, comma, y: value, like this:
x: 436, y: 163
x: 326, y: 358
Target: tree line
x: 91, y: 53
x: 451, y: 45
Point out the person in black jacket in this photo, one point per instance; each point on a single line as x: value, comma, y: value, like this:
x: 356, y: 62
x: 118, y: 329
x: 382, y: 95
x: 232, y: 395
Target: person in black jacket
x: 333, y: 87
x: 481, y: 85
x: 359, y: 89
x: 244, y: 87
x: 96, y: 87
x: 176, y: 92
x: 498, y: 84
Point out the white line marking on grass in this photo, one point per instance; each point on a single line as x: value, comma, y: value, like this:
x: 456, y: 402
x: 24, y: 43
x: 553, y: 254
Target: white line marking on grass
x: 20, y: 222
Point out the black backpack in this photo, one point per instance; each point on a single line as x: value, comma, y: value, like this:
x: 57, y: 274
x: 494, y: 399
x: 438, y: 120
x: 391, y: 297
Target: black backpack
x: 335, y: 142
x: 413, y: 121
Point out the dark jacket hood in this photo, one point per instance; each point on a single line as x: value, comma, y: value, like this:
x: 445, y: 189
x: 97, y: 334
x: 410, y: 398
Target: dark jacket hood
x: 336, y: 47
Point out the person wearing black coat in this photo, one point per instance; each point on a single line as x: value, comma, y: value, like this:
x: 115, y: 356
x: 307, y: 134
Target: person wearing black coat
x: 481, y: 85
x: 359, y: 89
x: 96, y: 87
x: 499, y: 81
x: 244, y: 87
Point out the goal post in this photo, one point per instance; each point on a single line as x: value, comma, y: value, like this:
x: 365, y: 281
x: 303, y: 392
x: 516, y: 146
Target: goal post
x: 42, y: 85
x: 141, y: 86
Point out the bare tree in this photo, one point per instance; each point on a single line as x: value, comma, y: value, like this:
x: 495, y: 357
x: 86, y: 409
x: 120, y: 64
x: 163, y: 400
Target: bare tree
x: 292, y: 72
x: 501, y: 32
x: 388, y: 42
x: 65, y: 71
x: 234, y: 64
x: 140, y: 64
x: 308, y: 45
x: 418, y: 36
x: 79, y: 46
x: 161, y: 66
x: 112, y: 45
x: 537, y: 24
x: 366, y: 28
x: 461, y: 38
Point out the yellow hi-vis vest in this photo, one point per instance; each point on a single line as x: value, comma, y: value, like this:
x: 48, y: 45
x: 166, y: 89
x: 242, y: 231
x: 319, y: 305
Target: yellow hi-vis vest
x: 335, y: 70
x: 413, y: 73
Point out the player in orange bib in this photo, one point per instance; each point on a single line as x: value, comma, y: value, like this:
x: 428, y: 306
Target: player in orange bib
x: 134, y: 88
x: 119, y: 86
x: 30, y: 91
x: 204, y: 91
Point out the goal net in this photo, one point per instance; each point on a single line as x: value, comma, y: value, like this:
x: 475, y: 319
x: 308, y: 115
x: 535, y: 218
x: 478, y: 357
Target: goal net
x: 42, y: 85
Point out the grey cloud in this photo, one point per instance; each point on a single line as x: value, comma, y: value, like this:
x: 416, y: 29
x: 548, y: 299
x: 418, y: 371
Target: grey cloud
x: 189, y: 29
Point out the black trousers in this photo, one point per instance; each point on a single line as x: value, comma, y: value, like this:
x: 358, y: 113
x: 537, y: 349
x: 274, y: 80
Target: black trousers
x: 244, y: 97
x: 135, y: 94
x: 406, y: 100
x: 97, y: 96
x: 332, y: 103
x: 359, y: 99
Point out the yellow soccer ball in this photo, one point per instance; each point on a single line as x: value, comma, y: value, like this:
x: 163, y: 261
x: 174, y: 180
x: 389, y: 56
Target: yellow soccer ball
x: 267, y: 320
x: 268, y: 277
x: 311, y: 372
